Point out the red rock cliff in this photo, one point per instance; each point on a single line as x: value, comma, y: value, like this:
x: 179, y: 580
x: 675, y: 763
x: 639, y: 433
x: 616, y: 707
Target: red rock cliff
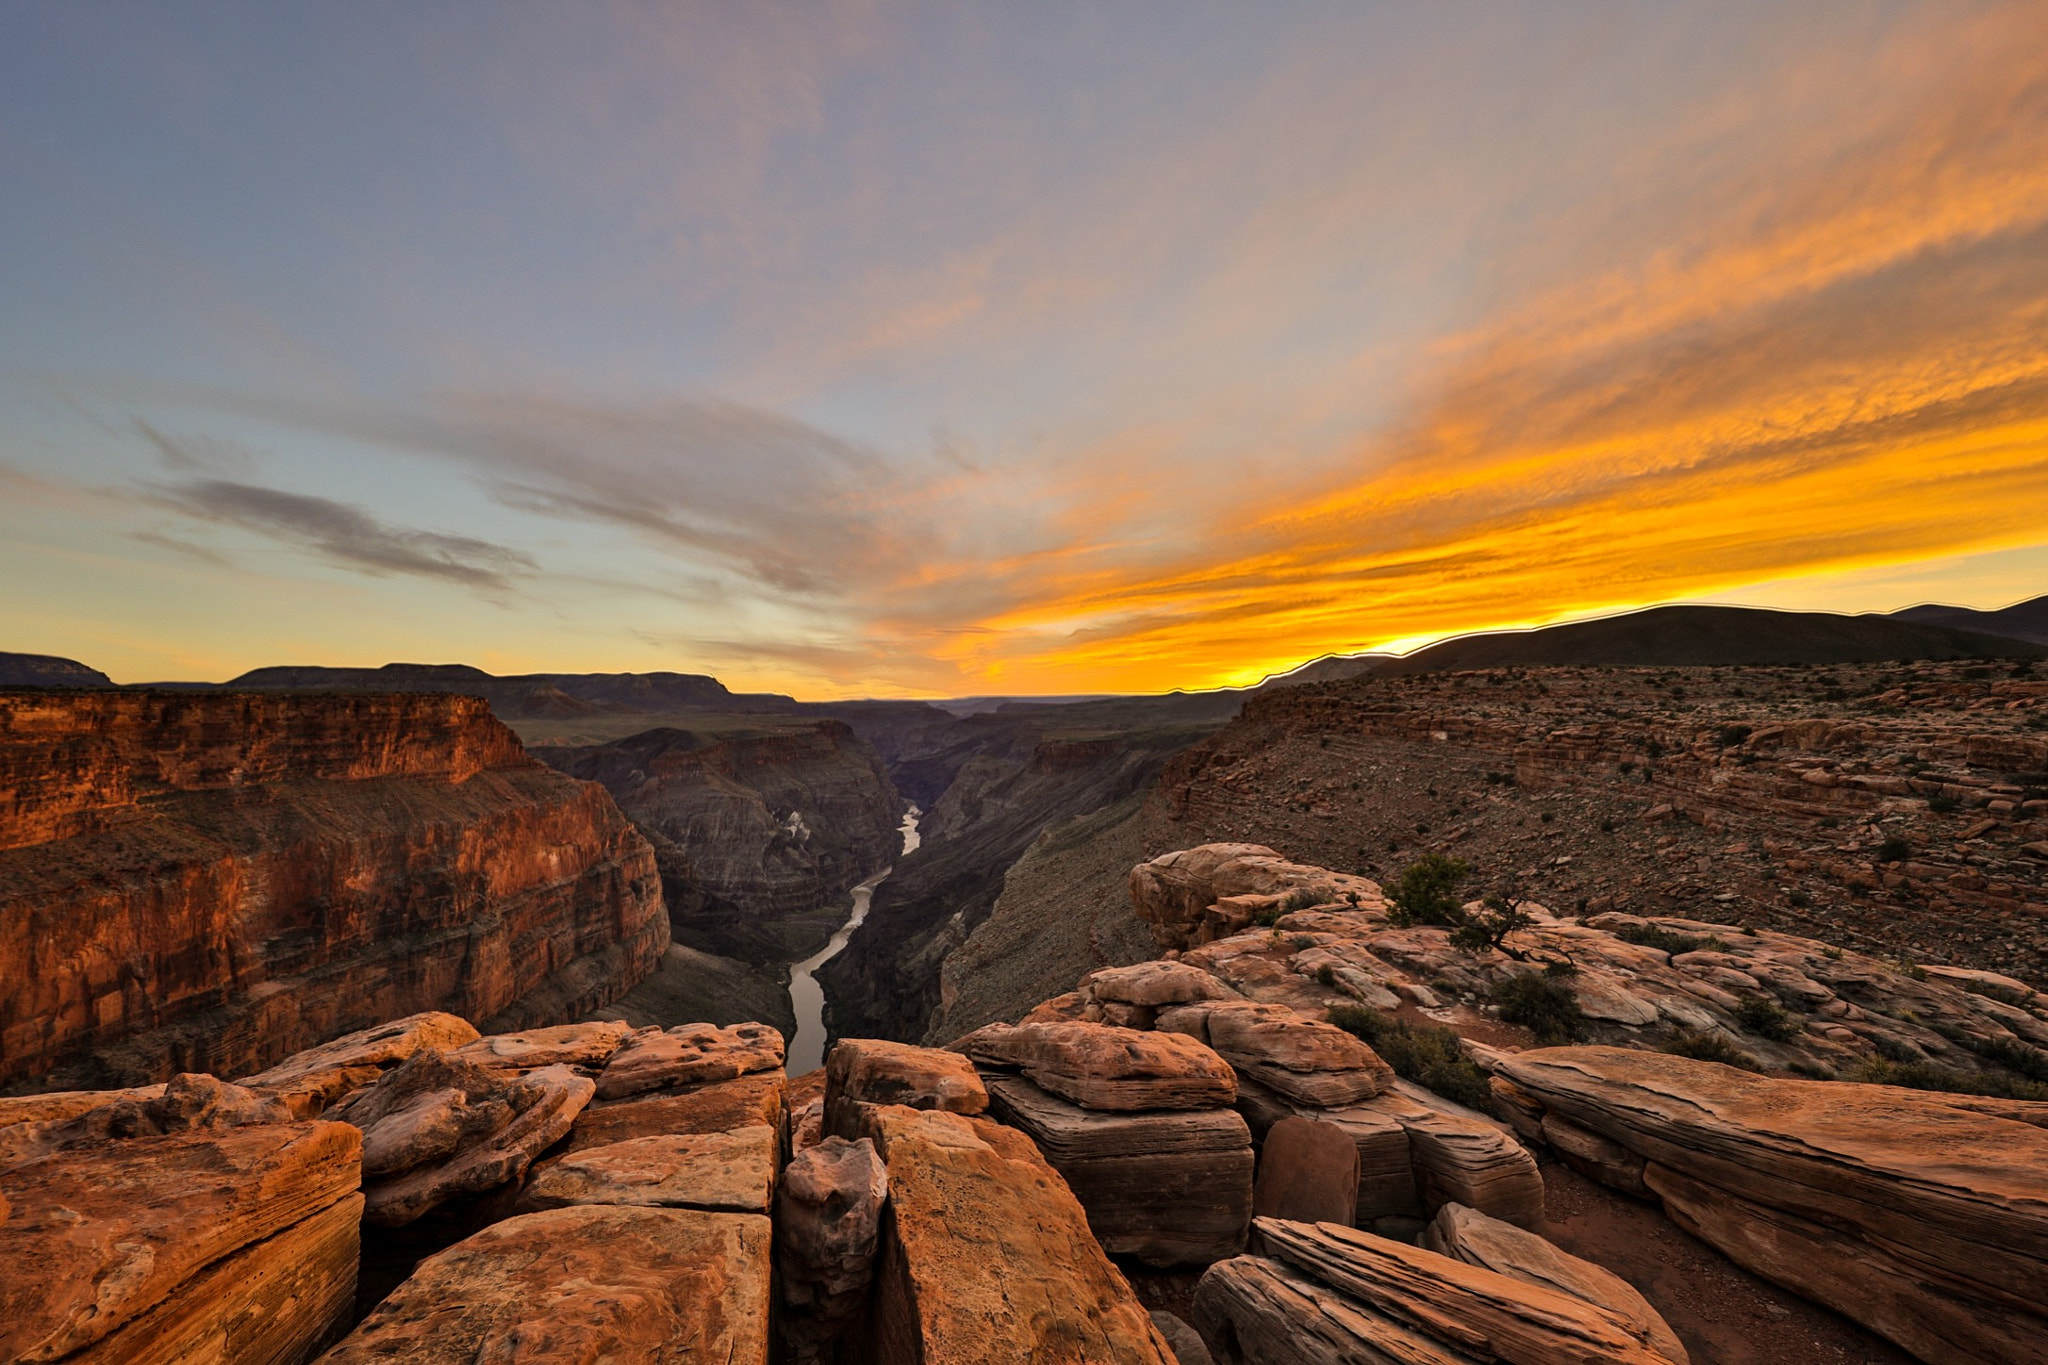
x: 212, y: 881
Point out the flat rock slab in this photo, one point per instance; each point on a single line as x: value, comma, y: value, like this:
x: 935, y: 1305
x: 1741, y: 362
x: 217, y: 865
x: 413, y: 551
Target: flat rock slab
x: 1926, y: 1222
x: 1099, y: 1066
x: 1304, y: 1059
x: 722, y: 1172
x: 689, y: 1054
x: 625, y: 1286
x: 1170, y: 1188
x: 585, y: 1046
x: 1308, y: 1171
x: 1470, y: 1236
x: 987, y: 1259
x: 721, y: 1106
x: 95, y: 1236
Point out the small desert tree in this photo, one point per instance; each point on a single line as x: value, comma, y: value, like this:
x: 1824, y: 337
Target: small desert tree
x: 1504, y: 913
x: 1426, y: 892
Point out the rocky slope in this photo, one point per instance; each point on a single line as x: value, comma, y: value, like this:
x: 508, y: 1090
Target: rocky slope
x: 213, y: 880
x: 753, y: 825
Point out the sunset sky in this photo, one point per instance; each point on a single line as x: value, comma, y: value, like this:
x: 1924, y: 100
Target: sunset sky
x: 1030, y: 347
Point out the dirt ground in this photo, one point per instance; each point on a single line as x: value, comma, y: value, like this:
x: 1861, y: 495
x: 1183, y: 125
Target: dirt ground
x: 1723, y: 1314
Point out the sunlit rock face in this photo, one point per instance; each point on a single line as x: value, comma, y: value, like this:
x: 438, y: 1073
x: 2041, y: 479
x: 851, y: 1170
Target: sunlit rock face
x: 210, y: 882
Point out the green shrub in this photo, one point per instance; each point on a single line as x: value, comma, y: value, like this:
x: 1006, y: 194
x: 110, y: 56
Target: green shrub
x: 1542, y: 1004
x: 1670, y: 940
x: 1425, y: 892
x: 1326, y: 975
x: 1708, y: 1046
x: 1728, y: 736
x: 1269, y: 916
x: 1427, y: 1054
x: 1765, y: 1019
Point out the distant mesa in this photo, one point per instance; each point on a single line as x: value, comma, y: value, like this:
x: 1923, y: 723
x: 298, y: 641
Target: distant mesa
x: 47, y: 670
x: 1714, y: 637
x: 523, y: 696
x: 2022, y: 621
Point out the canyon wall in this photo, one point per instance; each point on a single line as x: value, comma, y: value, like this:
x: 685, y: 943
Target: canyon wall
x: 752, y: 824
x: 211, y: 881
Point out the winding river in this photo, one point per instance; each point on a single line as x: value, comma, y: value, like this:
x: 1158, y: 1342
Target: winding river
x: 807, y: 1049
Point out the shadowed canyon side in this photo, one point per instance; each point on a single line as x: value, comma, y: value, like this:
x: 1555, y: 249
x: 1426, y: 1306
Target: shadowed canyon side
x: 755, y: 827
x: 209, y: 881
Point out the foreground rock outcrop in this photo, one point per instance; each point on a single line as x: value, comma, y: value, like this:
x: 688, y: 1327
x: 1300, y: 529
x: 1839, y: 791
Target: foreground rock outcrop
x: 206, y: 1239
x: 1925, y: 1220
x: 1322, y: 1294
x: 590, y: 1283
x: 212, y: 881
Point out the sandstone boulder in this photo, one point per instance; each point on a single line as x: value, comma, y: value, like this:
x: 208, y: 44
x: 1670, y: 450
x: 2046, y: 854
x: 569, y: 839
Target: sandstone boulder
x: 1098, y: 1066
x: 871, y: 1071
x: 1308, y: 1172
x: 434, y: 1128
x: 1926, y: 1222
x: 1154, y: 984
x: 828, y: 1215
x: 1168, y: 1188
x: 689, y: 1054
x: 621, y: 1285
x: 1327, y: 1293
x: 1305, y: 1059
x: 718, y: 1107
x: 128, y: 1246
x: 986, y: 1258
x: 1470, y: 1236
x: 585, y: 1046
x: 720, y: 1172
x: 1174, y: 892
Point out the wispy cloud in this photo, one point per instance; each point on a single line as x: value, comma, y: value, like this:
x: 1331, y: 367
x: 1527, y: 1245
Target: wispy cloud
x: 346, y: 535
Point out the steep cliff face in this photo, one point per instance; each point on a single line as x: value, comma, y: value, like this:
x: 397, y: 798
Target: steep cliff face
x: 752, y: 825
x: 210, y: 881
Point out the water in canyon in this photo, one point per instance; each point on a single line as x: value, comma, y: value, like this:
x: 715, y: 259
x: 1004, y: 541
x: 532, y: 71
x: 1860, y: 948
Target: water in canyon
x: 807, y: 1048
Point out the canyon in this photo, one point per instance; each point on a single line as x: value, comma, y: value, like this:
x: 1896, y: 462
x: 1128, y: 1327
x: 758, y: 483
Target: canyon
x: 207, y: 882
x: 331, y: 1013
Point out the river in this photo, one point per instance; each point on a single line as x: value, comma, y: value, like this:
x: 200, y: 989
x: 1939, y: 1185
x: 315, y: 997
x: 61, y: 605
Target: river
x: 807, y: 1049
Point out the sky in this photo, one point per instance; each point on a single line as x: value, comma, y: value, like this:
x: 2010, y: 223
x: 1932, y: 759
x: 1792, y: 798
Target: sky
x: 901, y: 349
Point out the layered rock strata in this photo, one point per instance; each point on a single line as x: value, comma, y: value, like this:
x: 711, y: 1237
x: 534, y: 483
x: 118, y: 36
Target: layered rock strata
x: 1924, y: 1220
x: 212, y: 881
x: 1323, y: 1294
x: 1165, y: 1187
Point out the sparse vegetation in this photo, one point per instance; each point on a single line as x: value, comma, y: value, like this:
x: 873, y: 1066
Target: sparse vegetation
x: 1925, y: 1075
x: 1728, y: 736
x: 1541, y: 1003
x: 1425, y: 892
x: 1708, y: 1045
x: 1670, y: 940
x: 1943, y: 805
x: 1426, y: 1054
x: 1894, y: 850
x: 1766, y: 1019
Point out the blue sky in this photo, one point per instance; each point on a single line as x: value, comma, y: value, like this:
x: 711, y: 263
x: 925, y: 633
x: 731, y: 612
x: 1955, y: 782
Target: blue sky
x: 943, y: 349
